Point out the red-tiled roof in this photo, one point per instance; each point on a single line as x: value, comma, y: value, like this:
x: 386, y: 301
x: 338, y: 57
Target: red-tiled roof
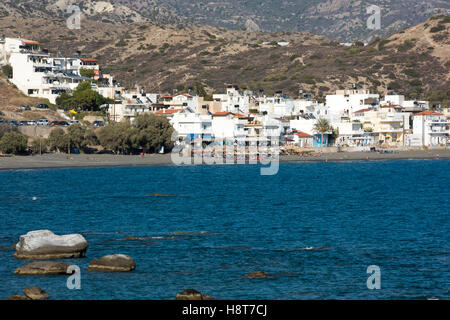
x: 303, y: 135
x: 239, y: 115
x: 362, y: 110
x: 89, y: 60
x: 168, y: 111
x: 31, y: 42
x: 166, y: 97
x: 429, y: 113
x: 221, y: 114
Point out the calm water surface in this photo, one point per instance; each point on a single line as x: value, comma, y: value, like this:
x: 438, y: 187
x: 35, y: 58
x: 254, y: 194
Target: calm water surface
x: 316, y: 226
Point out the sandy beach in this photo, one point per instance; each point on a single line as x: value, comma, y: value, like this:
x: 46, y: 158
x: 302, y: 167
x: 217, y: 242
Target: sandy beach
x: 49, y: 161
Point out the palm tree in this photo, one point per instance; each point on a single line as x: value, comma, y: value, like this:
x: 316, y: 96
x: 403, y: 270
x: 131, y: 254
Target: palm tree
x: 322, y: 126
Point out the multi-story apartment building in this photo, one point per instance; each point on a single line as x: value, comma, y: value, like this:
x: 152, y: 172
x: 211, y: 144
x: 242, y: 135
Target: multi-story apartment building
x: 38, y: 74
x: 388, y: 123
x: 429, y: 129
x: 348, y: 101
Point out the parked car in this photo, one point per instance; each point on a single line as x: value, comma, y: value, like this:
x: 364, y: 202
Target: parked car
x: 42, y: 106
x: 32, y: 123
x: 54, y: 123
x: 13, y: 123
x: 23, y: 123
x: 63, y: 123
x: 25, y: 108
x: 3, y: 122
x: 72, y: 122
x: 98, y: 123
x: 42, y: 122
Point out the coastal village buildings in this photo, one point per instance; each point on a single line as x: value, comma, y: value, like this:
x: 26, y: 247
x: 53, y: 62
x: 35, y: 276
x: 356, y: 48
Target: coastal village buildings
x: 358, y: 117
x: 37, y: 73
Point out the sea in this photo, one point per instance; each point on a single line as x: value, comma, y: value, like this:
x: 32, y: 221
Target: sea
x: 336, y: 230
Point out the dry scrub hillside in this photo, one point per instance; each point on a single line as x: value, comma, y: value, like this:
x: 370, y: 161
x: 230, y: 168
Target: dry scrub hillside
x: 414, y: 62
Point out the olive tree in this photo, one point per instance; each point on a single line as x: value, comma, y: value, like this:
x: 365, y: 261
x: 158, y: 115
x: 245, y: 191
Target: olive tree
x: 13, y: 142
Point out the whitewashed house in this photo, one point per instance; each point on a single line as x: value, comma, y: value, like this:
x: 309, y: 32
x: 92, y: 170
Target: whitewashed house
x: 429, y: 129
x: 193, y: 125
x: 348, y: 101
x: 226, y: 125
x: 233, y: 101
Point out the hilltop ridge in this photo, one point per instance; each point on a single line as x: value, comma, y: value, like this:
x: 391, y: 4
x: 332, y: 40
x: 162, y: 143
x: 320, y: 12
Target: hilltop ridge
x: 343, y: 20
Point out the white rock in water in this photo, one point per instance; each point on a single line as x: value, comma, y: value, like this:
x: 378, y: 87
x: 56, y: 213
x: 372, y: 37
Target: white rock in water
x: 44, y: 244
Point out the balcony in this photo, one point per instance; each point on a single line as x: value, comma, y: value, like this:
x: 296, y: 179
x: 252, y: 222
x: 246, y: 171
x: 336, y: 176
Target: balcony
x: 392, y: 119
x: 443, y: 131
x: 440, y: 121
x: 389, y: 130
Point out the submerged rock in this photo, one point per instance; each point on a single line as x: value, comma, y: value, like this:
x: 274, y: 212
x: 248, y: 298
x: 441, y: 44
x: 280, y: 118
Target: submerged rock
x: 191, y: 294
x: 132, y: 238
x: 44, y: 244
x: 188, y: 233
x: 35, y: 293
x: 42, y: 267
x: 114, y: 262
x: 257, y: 274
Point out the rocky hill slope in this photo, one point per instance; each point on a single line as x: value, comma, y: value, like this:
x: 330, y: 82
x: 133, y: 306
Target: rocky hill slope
x: 344, y: 20
x: 414, y: 62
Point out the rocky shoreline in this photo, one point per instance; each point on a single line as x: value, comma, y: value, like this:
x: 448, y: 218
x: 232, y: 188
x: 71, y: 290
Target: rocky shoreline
x: 44, y: 244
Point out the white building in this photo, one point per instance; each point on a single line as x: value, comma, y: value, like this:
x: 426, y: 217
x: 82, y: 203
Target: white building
x: 186, y: 100
x: 34, y: 75
x: 74, y: 65
x: 37, y: 74
x: 127, y: 104
x: 429, y: 129
x: 352, y: 134
x: 233, y: 101
x: 188, y: 123
x: 408, y: 105
x: 277, y: 106
x: 351, y: 100
x: 226, y: 125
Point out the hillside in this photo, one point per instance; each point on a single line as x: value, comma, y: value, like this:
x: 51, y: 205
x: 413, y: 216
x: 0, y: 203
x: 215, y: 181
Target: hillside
x: 414, y: 62
x: 343, y: 20
x: 11, y: 99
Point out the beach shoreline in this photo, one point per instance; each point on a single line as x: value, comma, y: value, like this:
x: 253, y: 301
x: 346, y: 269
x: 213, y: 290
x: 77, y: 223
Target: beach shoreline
x: 60, y: 161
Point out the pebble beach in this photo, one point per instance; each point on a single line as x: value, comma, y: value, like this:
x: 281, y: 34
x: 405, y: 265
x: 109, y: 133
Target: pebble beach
x: 49, y: 161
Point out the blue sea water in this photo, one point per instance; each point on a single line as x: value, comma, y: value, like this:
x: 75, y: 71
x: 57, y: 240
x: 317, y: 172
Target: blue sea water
x: 315, y: 226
